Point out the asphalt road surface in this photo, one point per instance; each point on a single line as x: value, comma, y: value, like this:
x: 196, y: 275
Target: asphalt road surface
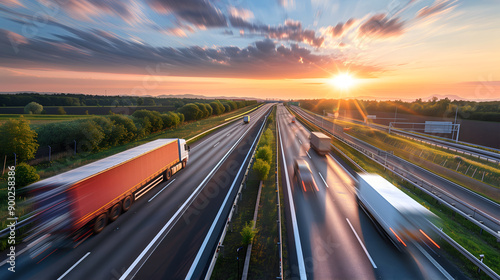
x: 337, y: 240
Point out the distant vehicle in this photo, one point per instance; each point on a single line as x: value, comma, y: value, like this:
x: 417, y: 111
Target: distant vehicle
x: 246, y: 119
x: 304, y: 175
x: 401, y: 218
x: 347, y: 128
x: 320, y: 143
x: 76, y: 203
x: 293, y: 120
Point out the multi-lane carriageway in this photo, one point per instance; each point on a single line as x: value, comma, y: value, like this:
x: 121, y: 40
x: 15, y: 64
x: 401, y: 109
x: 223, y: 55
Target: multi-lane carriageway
x: 172, y: 231
x: 330, y: 234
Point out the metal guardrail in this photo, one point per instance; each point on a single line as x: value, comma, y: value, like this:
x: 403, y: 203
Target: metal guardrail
x: 278, y: 201
x: 467, y: 254
x: 6, y: 231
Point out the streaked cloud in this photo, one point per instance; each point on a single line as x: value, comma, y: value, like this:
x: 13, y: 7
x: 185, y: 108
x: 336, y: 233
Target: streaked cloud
x: 201, y: 13
x: 438, y: 7
x: 339, y: 29
x: 380, y: 26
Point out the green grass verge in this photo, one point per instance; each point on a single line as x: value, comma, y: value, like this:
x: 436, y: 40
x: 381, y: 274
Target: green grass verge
x: 42, y: 119
x: 458, y: 228
x: 264, y: 262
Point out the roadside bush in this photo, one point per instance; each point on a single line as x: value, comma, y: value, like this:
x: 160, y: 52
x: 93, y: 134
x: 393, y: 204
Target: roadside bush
x: 154, y: 117
x: 17, y: 137
x: 61, y: 111
x: 248, y: 233
x: 264, y: 153
x: 25, y: 175
x: 261, y: 168
x: 33, y: 108
x: 129, y: 132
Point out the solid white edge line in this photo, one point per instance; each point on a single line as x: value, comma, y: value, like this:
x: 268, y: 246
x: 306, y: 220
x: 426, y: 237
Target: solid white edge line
x: 362, y: 245
x: 434, y: 262
x: 177, y: 213
x: 308, y: 154
x: 323, y: 179
x: 161, y: 190
x: 71, y: 268
x: 298, y: 245
x: 216, y: 144
x: 219, y: 213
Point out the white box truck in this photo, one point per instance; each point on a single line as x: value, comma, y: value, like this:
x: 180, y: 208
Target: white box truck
x: 320, y: 143
x: 400, y: 217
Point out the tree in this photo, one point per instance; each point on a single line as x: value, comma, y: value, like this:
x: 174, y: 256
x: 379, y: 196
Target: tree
x: 154, y: 118
x: 17, y: 137
x: 217, y: 108
x: 61, y: 111
x: 191, y: 112
x: 25, y: 175
x: 33, y: 108
x: 140, y: 101
x: 264, y: 153
x: 261, y: 168
x: 128, y: 125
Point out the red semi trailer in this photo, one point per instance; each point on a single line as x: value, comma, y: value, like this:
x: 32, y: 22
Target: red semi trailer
x: 83, y: 200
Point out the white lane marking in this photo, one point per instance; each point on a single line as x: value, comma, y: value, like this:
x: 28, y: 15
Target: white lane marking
x: 180, y: 211
x: 434, y: 262
x: 216, y: 144
x: 161, y: 190
x: 300, y: 142
x: 219, y: 213
x: 298, y: 245
x: 228, y: 134
x: 308, y: 154
x: 323, y: 179
x: 71, y: 268
x: 362, y: 245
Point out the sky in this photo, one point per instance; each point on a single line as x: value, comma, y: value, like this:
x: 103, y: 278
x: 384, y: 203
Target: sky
x: 286, y: 49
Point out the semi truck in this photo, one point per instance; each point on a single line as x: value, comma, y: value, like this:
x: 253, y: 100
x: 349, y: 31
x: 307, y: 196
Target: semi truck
x: 83, y: 200
x: 246, y: 119
x: 320, y: 143
x: 401, y: 218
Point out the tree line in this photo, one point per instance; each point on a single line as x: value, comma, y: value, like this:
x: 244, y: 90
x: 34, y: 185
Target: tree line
x: 100, y: 132
x: 66, y: 99
x: 484, y: 111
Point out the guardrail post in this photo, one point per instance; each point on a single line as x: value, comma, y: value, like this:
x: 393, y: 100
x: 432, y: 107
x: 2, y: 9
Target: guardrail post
x: 481, y: 258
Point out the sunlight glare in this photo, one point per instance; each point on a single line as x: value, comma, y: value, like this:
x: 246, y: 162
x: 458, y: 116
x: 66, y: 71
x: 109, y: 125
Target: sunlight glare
x: 343, y: 81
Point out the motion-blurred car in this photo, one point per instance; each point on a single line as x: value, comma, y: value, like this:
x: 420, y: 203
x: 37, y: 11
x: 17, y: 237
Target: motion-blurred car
x: 304, y: 175
x: 293, y: 120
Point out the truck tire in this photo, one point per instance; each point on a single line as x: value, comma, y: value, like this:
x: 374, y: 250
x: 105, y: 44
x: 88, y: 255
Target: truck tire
x: 184, y: 164
x: 115, y: 212
x: 127, y: 203
x: 100, y: 222
x: 167, y: 175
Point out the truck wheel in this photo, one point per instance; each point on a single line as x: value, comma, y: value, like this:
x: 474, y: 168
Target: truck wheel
x: 127, y: 203
x: 100, y: 222
x: 167, y: 175
x: 184, y: 164
x: 115, y: 212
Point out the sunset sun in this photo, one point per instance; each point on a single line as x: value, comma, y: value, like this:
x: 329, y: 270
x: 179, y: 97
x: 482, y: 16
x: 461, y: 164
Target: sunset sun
x: 343, y: 81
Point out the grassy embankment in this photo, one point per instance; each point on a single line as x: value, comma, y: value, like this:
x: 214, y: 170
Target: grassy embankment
x: 264, y: 263
x: 70, y: 162
x: 460, y: 229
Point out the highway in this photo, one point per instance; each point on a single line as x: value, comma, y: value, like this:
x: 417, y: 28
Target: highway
x: 478, y: 207
x: 169, y: 233
x: 331, y: 237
